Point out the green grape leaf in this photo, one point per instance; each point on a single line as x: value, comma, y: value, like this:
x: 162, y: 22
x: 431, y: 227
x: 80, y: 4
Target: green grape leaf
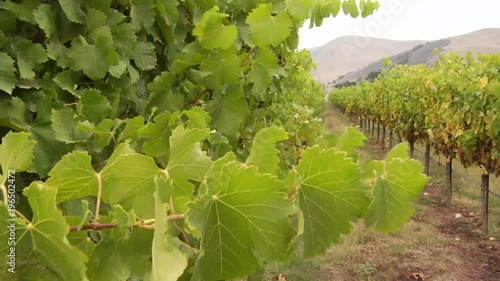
x: 242, y: 219
x: 162, y: 96
x: 142, y: 14
x: 300, y: 9
x: 47, y: 234
x: 118, y: 70
x: 158, y: 134
x: 48, y: 150
x: 16, y: 153
x: 66, y: 128
x: 23, y: 11
x: 230, y: 111
x: 28, y: 56
x: 58, y: 52
x: 103, y: 133
x: 213, y: 33
x: 124, y: 38
x: 45, y: 16
x: 351, y: 139
x: 129, y: 181
x: 72, y: 10
x: 367, y: 7
x: 399, y: 181
x: 330, y: 197
x: 145, y: 55
x: 120, y: 259
x: 67, y: 80
x: 267, y: 28
x: 187, y: 160
x: 94, y: 106
x: 123, y: 221
x: 264, y: 68
x: 132, y: 129
x: 7, y: 73
x: 214, y: 173
x: 166, y: 249
x: 74, y: 177
x: 198, y: 117
x: 264, y: 153
x: 221, y: 67
x: 12, y: 114
x: 94, y: 60
x: 96, y: 25
x: 80, y: 239
x: 350, y: 8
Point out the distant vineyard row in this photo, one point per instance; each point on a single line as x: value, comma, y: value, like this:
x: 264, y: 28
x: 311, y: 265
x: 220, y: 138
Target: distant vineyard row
x: 451, y: 108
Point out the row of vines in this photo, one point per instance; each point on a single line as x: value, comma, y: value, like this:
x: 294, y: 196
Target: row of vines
x: 452, y: 108
x: 176, y: 140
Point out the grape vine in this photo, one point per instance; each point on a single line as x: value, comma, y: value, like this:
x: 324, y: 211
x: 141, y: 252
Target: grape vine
x: 451, y: 107
x: 175, y: 140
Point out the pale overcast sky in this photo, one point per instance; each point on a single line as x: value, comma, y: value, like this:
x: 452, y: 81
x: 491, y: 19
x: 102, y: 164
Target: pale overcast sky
x: 408, y: 20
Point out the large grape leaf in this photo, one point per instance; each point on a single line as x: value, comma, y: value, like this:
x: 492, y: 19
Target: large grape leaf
x: 16, y: 153
x: 330, y: 197
x: 212, y: 32
x: 74, y: 177
x: 243, y: 219
x: 94, y: 60
x: 268, y: 28
x: 263, y: 153
x: 399, y: 181
x: 166, y: 249
x: 7, y: 73
x: 230, y: 111
x: 47, y: 234
x: 128, y: 180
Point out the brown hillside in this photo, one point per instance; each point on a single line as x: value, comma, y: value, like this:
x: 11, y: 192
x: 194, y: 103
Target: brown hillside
x: 483, y: 41
x: 349, y: 53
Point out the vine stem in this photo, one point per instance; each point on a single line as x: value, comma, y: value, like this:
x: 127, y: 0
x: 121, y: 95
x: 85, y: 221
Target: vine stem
x: 197, y: 98
x: 243, y: 62
x: 4, y: 192
x: 19, y: 214
x: 146, y: 224
x: 179, y: 228
x: 99, y: 195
